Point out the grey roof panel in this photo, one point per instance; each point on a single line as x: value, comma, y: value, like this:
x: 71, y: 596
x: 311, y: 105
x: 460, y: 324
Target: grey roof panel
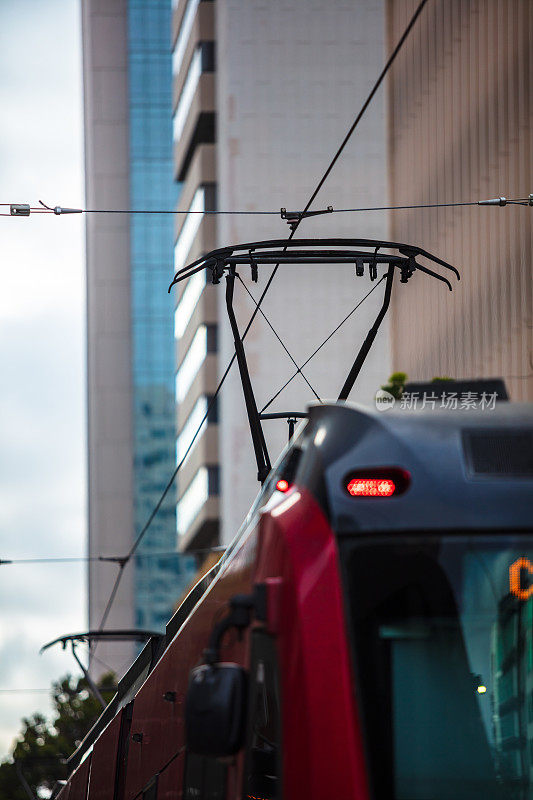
x: 448, y: 489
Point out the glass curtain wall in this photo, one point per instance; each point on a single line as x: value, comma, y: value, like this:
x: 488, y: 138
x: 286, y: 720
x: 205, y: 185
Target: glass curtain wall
x: 160, y: 579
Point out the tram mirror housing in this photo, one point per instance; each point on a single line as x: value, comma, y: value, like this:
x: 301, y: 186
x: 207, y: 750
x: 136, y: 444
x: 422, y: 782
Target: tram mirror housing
x: 215, y: 709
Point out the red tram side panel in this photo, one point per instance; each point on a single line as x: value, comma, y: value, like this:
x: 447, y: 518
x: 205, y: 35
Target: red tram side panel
x: 293, y: 550
x: 158, y: 713
x: 169, y: 781
x: 106, y: 761
x: 322, y: 745
x: 76, y: 788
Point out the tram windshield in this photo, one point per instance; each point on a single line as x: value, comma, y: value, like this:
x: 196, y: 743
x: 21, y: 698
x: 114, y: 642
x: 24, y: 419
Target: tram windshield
x: 443, y: 633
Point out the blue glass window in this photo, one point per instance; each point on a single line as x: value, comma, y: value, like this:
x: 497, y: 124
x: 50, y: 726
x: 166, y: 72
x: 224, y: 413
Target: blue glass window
x: 151, y: 245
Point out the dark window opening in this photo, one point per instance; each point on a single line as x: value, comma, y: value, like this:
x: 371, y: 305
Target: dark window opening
x: 213, y: 480
x: 442, y: 630
x: 205, y: 778
x: 212, y: 416
x: 262, y: 766
x: 150, y: 792
x: 204, y: 132
x: 208, y: 56
x: 212, y: 338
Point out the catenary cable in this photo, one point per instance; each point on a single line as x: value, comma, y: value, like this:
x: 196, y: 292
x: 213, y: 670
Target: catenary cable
x: 110, y: 559
x: 495, y: 201
x: 367, y: 102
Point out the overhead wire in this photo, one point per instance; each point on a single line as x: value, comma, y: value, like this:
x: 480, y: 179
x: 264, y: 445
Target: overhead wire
x: 294, y: 228
x: 367, y: 102
x: 111, y: 559
x: 496, y: 201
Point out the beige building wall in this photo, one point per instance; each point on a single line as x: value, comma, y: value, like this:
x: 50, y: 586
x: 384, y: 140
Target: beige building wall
x: 291, y: 76
x: 460, y: 123
x: 108, y: 320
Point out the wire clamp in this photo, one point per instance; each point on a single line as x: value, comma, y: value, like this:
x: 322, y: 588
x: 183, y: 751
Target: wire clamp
x: 407, y: 269
x: 217, y: 272
x: 19, y: 210
x: 359, y: 267
x: 253, y: 267
x: 496, y: 201
x: 294, y: 218
x: 60, y: 210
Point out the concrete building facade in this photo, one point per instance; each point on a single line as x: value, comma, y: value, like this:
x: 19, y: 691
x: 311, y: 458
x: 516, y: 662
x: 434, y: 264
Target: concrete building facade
x: 263, y: 96
x: 461, y: 129
x: 130, y: 355
x: 243, y: 103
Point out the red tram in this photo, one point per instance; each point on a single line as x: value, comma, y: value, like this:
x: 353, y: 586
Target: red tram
x: 368, y: 634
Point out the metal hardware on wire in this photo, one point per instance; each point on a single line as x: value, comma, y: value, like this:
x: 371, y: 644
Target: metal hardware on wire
x: 291, y: 417
x: 293, y: 218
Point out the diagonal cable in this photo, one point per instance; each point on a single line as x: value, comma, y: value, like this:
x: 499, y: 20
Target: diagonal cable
x: 320, y: 346
x: 366, y: 103
x: 280, y: 340
x: 112, y: 596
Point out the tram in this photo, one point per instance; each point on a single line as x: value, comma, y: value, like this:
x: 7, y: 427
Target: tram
x: 368, y: 635
x: 386, y: 572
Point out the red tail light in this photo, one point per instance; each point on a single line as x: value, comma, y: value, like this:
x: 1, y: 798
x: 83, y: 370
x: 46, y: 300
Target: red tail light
x: 371, y: 487
x: 377, y: 482
x: 282, y: 485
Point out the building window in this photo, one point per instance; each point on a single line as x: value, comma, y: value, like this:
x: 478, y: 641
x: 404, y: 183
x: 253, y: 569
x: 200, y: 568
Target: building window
x: 183, y: 35
x: 188, y: 302
x: 194, y: 420
x: 192, y: 362
x: 187, y: 94
x: 204, y: 132
x: 193, y: 500
x: 204, y: 485
x: 204, y: 200
x: 203, y: 60
x: 204, y: 342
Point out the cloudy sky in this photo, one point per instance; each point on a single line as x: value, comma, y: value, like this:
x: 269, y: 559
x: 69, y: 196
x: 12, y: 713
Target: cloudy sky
x: 42, y: 351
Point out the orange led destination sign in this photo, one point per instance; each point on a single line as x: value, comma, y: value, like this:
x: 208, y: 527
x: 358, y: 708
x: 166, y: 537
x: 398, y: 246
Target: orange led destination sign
x: 515, y: 578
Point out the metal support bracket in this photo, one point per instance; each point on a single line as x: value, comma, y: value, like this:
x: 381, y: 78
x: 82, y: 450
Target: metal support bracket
x: 93, y: 688
x: 258, y: 439
x: 244, y: 608
x: 369, y: 340
x: 291, y: 418
x: 294, y: 218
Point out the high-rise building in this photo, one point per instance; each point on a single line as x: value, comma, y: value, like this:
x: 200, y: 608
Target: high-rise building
x: 243, y: 103
x: 461, y: 130
x: 131, y: 413
x: 263, y: 95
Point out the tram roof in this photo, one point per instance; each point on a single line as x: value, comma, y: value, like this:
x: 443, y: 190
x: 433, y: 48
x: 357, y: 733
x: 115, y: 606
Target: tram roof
x: 469, y: 469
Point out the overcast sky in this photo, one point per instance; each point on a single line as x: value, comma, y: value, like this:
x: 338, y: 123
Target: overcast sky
x: 42, y: 351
